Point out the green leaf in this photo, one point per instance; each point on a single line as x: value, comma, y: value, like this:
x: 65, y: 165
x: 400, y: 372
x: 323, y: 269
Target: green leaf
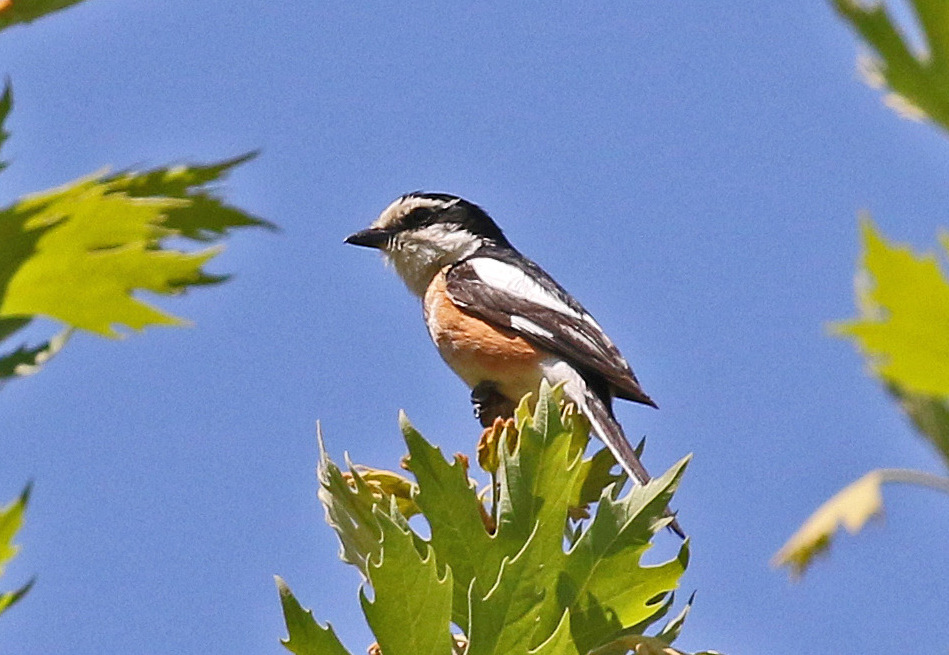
x: 78, y: 254
x: 671, y: 630
x: 454, y: 513
x: 306, y: 636
x: 595, y: 475
x: 904, y: 302
x: 506, y: 620
x: 928, y: 414
x: 206, y: 218
x: 10, y: 598
x: 349, y: 512
x: 919, y: 82
x: 560, y: 642
x: 27, y: 361
x: 11, y: 520
x: 536, y: 486
x: 519, y: 580
x: 610, y: 590
x: 13, y: 12
x: 502, y: 574
x: 6, y: 102
x: 537, y: 482
x: 411, y: 609
x: 93, y: 249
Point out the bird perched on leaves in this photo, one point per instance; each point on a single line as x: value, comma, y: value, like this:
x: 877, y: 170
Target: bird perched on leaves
x: 498, y: 320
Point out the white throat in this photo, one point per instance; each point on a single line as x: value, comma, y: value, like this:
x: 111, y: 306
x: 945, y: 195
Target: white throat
x: 418, y: 255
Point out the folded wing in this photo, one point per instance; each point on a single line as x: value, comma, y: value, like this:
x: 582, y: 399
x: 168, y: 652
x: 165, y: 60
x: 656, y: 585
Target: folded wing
x: 515, y: 293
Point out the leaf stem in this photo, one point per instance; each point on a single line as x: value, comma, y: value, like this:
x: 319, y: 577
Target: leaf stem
x: 911, y: 476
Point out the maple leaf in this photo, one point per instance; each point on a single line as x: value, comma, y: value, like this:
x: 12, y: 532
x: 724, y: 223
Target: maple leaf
x: 916, y: 77
x: 305, y: 635
x: 904, y: 307
x: 502, y: 573
x: 11, y: 520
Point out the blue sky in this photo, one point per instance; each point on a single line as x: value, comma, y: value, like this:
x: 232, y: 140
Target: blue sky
x: 691, y: 172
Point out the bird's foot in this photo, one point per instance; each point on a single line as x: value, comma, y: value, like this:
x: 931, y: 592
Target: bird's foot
x: 489, y: 403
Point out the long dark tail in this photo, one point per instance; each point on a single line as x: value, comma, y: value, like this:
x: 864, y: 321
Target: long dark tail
x: 608, y: 429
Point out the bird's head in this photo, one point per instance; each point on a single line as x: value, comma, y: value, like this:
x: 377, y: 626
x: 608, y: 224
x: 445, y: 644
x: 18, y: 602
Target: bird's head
x: 422, y: 232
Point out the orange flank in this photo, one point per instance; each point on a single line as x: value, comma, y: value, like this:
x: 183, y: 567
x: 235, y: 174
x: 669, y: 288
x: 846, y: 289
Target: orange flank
x: 478, y: 351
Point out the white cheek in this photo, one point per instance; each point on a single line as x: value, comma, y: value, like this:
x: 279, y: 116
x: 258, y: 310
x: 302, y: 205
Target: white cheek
x: 451, y: 242
x: 418, y: 255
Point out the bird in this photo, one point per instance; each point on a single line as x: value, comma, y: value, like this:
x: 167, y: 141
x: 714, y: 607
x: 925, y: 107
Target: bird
x: 499, y: 321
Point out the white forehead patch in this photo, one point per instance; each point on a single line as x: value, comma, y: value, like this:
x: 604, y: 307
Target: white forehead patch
x: 405, y: 205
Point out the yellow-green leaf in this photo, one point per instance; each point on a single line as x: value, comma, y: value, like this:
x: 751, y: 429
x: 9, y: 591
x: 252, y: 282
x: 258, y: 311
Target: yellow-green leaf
x: 560, y: 642
x: 851, y: 507
x: 93, y: 249
x: 80, y: 253
x: 904, y: 324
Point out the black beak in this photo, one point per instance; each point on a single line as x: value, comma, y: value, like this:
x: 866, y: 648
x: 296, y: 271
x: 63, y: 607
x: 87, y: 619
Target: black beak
x: 374, y: 237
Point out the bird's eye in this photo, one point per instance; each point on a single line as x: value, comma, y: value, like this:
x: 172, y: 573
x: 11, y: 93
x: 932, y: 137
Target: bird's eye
x: 418, y: 217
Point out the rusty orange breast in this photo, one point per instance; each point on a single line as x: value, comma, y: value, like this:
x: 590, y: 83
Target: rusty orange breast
x: 477, y: 350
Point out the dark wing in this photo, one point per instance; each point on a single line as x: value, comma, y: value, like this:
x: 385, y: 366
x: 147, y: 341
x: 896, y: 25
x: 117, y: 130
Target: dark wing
x: 510, y: 291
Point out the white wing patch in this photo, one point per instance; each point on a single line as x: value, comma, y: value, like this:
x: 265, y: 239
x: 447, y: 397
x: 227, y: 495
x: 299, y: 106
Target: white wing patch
x: 504, y: 276
x: 580, y: 336
x: 529, y: 326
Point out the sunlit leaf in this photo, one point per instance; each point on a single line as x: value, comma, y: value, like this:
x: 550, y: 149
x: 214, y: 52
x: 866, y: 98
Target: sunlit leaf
x: 206, y: 217
x: 79, y: 254
x: 904, y: 302
x: 851, y: 507
x: 305, y: 635
x: 450, y: 503
x: 349, y: 511
x: 600, y: 580
x: 608, y: 591
x: 673, y: 628
x: 386, y: 486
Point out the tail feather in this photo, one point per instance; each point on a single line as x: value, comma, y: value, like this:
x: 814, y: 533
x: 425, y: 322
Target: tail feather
x: 611, y: 433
